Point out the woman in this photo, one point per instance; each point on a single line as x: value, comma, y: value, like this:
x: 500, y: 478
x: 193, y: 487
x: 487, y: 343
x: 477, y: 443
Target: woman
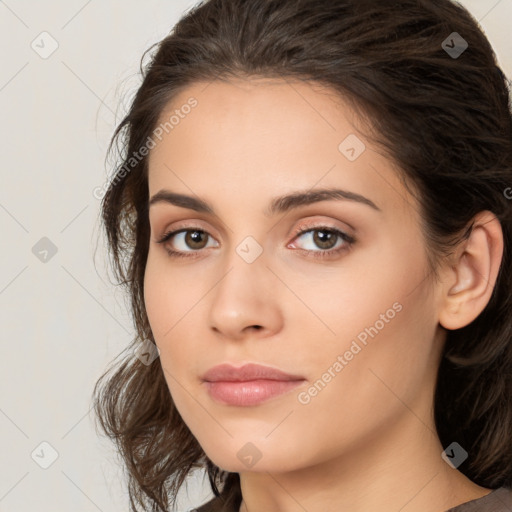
x: 312, y: 216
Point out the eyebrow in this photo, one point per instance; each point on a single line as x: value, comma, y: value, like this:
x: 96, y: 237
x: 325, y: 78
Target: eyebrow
x: 280, y: 204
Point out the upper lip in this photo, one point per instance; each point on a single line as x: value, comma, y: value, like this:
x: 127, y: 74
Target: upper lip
x: 247, y: 372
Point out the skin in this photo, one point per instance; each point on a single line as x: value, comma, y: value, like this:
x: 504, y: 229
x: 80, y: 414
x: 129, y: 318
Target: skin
x: 367, y: 440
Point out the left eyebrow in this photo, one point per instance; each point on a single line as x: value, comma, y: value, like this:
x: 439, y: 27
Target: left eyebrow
x: 290, y: 201
x: 277, y: 205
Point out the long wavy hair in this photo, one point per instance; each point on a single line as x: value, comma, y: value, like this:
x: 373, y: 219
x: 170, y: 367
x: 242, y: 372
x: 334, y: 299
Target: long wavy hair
x: 442, y: 116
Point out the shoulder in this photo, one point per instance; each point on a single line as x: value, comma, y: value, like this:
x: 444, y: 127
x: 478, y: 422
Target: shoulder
x: 499, y: 500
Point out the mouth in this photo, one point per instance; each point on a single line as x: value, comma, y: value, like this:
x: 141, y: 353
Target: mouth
x: 248, y: 385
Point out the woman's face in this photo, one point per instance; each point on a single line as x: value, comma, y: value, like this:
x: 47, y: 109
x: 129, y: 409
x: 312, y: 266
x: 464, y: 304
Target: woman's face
x: 353, y: 318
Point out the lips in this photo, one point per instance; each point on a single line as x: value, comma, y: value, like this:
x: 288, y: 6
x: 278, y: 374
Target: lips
x: 248, y: 372
x: 248, y: 385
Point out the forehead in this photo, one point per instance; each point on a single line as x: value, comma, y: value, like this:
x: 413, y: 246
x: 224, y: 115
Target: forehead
x: 266, y: 136
x: 244, y: 98
x: 246, y: 116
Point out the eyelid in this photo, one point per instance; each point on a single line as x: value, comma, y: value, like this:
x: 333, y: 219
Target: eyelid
x: 315, y: 224
x: 184, y: 225
x: 297, y: 230
x: 305, y: 226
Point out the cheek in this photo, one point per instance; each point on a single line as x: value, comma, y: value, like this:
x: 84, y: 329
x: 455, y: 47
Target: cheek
x: 166, y: 310
x: 372, y: 379
x: 376, y: 309
x: 352, y: 296
x: 158, y: 302
x: 175, y: 309
x: 167, y: 296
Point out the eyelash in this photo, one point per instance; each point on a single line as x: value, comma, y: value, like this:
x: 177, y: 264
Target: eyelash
x: 301, y: 230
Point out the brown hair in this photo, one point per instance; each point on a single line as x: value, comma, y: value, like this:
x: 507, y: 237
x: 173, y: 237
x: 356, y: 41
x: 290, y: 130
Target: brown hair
x: 445, y: 120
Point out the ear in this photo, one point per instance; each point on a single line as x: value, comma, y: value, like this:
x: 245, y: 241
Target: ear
x: 469, y: 281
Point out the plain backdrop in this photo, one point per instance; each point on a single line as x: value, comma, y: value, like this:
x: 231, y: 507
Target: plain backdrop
x: 62, y: 320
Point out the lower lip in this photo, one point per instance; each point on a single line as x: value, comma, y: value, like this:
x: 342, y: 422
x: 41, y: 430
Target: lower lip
x: 251, y: 392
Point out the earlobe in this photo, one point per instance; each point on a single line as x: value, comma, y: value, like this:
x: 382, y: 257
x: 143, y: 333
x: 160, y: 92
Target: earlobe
x: 472, y: 276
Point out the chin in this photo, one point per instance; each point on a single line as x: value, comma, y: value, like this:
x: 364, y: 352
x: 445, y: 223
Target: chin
x: 238, y: 456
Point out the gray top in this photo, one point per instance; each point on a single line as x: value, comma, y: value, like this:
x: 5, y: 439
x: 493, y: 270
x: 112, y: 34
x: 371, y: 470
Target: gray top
x: 498, y: 500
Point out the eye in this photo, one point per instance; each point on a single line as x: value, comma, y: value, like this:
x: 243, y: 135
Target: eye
x: 318, y: 241
x: 323, y: 241
x: 185, y: 241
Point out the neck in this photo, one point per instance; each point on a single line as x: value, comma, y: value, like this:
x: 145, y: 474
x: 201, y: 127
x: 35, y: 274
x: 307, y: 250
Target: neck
x: 396, y: 469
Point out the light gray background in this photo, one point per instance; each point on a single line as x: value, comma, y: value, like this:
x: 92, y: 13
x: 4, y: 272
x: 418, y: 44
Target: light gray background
x: 62, y: 321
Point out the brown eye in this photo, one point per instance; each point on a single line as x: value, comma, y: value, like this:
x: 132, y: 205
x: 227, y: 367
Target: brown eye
x: 322, y: 241
x: 196, y: 239
x: 325, y: 239
x: 187, y: 242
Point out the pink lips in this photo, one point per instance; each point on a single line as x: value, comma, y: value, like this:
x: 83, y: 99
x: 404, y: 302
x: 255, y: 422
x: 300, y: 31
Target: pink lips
x: 248, y: 385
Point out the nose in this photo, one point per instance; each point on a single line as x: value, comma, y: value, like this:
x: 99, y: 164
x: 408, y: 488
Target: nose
x: 244, y: 302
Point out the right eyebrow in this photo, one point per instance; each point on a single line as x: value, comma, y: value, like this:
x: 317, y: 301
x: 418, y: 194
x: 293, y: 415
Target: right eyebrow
x: 182, y: 200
